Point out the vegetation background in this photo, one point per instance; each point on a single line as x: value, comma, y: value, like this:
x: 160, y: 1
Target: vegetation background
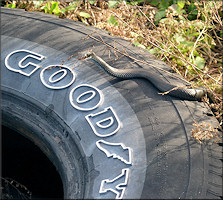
x: 187, y: 35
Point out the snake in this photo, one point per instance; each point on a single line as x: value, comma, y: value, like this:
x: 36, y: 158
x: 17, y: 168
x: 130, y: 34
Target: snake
x: 165, y: 87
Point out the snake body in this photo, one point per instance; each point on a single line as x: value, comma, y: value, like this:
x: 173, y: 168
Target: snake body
x: 164, y: 86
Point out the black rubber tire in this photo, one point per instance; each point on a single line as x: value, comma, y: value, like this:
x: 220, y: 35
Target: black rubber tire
x: 155, y: 130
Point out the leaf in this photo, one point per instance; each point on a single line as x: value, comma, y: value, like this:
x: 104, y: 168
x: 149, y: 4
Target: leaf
x: 84, y: 14
x: 177, y: 8
x: 133, y: 34
x: 160, y: 14
x: 55, y: 8
x: 10, y: 5
x: 54, y: 5
x: 193, y: 12
x: 181, y: 4
x: 57, y: 11
x: 191, y: 7
x: 199, y: 24
x: 179, y: 38
x: 180, y: 62
x: 113, y: 4
x: 163, y: 5
x: 47, y: 8
x: 69, y: 8
x: 187, y: 43
x: 112, y: 20
x: 64, y: 10
x: 154, y: 2
x: 164, y: 20
x: 196, y: 53
x: 184, y: 50
x: 199, y: 61
x: 92, y: 2
x: 182, y: 18
x: 37, y: 4
x: 194, y: 34
x: 133, y: 3
x: 153, y: 50
x: 137, y: 44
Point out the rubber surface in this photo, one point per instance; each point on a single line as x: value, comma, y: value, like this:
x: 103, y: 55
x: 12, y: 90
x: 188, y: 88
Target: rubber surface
x: 108, y: 138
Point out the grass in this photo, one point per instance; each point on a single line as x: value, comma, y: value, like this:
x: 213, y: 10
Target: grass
x: 187, y: 35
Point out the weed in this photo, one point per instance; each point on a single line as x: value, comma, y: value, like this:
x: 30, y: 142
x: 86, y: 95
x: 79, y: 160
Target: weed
x: 52, y: 7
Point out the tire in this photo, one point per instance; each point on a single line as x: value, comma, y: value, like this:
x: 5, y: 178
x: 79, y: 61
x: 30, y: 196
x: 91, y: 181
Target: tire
x: 108, y: 138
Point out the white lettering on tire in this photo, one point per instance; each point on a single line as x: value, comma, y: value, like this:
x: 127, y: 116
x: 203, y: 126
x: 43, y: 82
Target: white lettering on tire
x: 78, y: 101
x: 110, y: 149
x: 96, y: 122
x: 51, y: 71
x: 83, y: 97
x: 121, y: 181
x: 21, y: 68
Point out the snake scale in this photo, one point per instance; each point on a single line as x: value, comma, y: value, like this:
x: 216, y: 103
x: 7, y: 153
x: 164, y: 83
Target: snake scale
x: 164, y: 86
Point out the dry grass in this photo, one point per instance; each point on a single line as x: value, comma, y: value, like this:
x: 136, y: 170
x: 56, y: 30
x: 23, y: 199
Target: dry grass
x: 204, y: 132
x: 11, y: 189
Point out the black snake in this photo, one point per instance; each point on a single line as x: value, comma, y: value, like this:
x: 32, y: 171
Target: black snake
x: 163, y: 86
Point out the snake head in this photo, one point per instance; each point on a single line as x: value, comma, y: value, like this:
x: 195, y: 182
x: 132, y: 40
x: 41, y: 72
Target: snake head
x: 200, y: 92
x: 84, y: 54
